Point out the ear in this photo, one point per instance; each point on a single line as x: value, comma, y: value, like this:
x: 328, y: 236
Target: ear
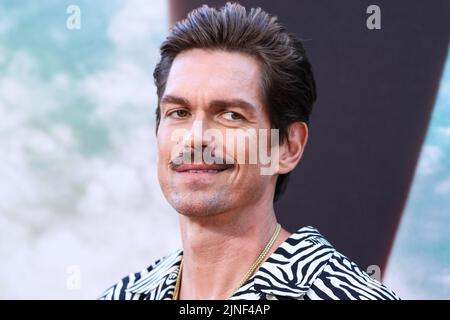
x: 291, y: 149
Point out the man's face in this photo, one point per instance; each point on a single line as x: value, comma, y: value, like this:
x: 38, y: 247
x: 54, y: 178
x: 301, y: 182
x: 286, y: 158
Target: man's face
x: 210, y: 95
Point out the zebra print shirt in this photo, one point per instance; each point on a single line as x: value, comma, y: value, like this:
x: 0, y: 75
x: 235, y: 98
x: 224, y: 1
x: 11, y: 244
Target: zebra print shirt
x: 304, y: 267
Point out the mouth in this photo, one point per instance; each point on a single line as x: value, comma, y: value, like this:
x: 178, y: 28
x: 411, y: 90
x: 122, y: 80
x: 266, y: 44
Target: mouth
x: 203, y: 168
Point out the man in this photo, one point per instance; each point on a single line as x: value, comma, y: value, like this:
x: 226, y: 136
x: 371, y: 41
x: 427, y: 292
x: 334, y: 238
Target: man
x: 232, y: 73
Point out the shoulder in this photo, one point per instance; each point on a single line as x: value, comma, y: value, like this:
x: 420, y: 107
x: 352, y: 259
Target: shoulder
x: 342, y: 279
x: 306, y: 266
x: 130, y: 287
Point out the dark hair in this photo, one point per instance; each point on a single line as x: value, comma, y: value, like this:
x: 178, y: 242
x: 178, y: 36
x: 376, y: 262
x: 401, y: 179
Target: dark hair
x: 287, y: 78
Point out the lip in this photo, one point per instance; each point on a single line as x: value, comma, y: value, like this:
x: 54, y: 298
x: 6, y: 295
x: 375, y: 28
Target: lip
x: 203, y: 168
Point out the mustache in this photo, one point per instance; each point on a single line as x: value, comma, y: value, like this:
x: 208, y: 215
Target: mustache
x: 189, y: 156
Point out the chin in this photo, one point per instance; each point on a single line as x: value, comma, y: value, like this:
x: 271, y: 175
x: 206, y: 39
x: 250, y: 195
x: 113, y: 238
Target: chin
x: 193, y: 205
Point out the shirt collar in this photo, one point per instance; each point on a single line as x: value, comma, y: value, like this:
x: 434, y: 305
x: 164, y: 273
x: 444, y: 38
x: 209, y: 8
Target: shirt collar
x: 289, y: 272
x: 159, y: 282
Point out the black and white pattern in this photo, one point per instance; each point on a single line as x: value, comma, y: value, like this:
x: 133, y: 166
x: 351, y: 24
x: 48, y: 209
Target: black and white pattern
x: 304, y: 267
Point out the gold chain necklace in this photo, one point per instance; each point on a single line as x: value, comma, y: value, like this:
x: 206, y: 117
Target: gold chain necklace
x: 249, y: 273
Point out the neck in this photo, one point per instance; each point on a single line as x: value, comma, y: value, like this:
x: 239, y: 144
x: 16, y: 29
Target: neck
x: 219, y: 250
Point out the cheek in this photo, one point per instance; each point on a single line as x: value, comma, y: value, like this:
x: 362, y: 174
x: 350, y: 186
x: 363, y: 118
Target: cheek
x: 165, y: 145
x: 171, y: 142
x: 160, y: 149
x: 243, y: 147
x: 163, y: 158
x: 250, y: 178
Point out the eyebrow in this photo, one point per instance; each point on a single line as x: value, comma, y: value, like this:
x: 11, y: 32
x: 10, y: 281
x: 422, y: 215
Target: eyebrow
x: 169, y: 99
x: 232, y: 103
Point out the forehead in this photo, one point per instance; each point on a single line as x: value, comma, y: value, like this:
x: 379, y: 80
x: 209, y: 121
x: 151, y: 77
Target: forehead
x: 215, y: 74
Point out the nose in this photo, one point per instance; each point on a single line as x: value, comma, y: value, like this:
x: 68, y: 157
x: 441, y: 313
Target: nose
x: 191, y: 140
x: 195, y: 137
x: 202, y: 142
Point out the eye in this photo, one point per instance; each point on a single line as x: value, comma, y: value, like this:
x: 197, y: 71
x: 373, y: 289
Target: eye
x: 232, y: 116
x: 178, y: 114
